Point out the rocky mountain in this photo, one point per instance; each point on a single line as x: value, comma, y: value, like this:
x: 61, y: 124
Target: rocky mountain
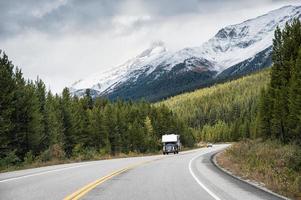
x: 158, y: 73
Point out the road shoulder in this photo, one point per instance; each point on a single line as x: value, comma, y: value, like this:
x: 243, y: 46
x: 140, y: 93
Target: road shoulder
x: 250, y: 182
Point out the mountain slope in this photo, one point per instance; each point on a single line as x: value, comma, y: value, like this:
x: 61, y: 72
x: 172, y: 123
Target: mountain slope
x: 255, y: 63
x: 233, y: 104
x: 158, y: 73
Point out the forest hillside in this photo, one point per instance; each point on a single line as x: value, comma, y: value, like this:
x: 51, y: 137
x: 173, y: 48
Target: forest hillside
x: 223, y: 112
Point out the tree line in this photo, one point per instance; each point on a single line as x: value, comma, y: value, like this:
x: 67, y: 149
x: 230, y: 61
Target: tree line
x: 37, y: 124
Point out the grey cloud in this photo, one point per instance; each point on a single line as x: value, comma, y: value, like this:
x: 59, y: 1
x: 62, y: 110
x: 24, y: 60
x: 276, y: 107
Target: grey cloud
x: 84, y: 16
x: 75, y: 14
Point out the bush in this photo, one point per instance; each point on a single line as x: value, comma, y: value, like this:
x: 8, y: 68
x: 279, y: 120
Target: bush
x: 271, y: 162
x: 55, y: 152
x: 45, y: 156
x: 104, y: 152
x: 9, y: 160
x: 89, y: 154
x: 29, y: 158
x: 86, y: 153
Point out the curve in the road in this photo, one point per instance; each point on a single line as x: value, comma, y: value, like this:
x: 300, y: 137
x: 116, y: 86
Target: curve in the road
x: 168, y: 178
x: 198, y: 181
x: 188, y: 175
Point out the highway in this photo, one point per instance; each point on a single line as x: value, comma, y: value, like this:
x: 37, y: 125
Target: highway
x: 188, y: 175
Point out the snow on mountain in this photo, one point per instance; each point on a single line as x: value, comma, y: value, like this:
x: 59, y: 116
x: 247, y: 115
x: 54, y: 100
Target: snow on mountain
x: 236, y: 43
x: 229, y: 47
x: 104, y: 80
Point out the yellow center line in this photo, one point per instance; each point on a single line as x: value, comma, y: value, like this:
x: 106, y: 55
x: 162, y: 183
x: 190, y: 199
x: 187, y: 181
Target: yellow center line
x: 84, y: 190
x: 87, y: 188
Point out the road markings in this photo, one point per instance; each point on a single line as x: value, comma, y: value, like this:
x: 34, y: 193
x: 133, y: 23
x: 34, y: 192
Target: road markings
x: 55, y: 170
x: 84, y: 190
x: 44, y: 172
x: 198, y: 181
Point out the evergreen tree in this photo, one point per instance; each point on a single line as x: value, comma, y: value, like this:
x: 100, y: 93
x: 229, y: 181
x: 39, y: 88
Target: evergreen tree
x: 55, y: 125
x: 98, y: 136
x: 40, y: 91
x: 7, y: 92
x: 71, y: 123
x: 151, y: 140
x: 295, y: 102
x: 264, y: 115
x: 110, y: 123
x: 87, y: 101
x: 27, y: 118
x: 278, y: 108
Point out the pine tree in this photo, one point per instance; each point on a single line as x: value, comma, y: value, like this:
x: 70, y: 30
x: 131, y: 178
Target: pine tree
x: 79, y: 136
x: 148, y: 126
x: 276, y: 106
x: 149, y: 131
x: 295, y: 102
x: 87, y: 100
x: 264, y: 115
x: 277, y: 84
x: 55, y: 126
x: 71, y: 120
x: 27, y: 118
x: 111, y: 125
x: 98, y: 136
x: 40, y: 91
x: 7, y: 92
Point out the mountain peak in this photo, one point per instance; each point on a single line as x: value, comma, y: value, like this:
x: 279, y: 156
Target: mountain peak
x: 233, y: 43
x: 156, y: 47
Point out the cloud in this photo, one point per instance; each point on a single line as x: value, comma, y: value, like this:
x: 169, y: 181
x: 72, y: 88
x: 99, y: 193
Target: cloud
x: 69, y: 16
x: 65, y: 40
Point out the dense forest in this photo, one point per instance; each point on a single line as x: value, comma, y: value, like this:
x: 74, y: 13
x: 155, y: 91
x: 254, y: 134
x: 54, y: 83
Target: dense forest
x: 38, y: 125
x: 224, y: 112
x: 280, y: 102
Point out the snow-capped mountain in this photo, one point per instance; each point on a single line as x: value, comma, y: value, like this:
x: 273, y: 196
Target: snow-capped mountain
x: 106, y: 81
x: 157, y: 73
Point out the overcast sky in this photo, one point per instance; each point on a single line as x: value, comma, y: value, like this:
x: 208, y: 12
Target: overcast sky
x: 62, y: 41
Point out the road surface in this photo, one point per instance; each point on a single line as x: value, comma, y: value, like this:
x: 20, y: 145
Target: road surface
x: 188, y: 175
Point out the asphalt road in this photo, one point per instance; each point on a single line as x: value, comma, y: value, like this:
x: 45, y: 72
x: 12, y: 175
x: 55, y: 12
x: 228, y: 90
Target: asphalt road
x: 188, y: 175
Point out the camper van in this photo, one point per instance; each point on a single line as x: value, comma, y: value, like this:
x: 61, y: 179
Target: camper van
x: 171, y: 143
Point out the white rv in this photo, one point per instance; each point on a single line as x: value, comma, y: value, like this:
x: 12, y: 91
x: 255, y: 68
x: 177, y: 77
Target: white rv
x: 171, y: 143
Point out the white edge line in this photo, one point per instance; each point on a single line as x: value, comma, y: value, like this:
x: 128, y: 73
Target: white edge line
x: 44, y: 172
x: 199, y: 182
x: 41, y: 173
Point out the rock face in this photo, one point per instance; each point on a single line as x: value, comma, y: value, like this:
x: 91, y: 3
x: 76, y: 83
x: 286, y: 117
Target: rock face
x: 157, y: 73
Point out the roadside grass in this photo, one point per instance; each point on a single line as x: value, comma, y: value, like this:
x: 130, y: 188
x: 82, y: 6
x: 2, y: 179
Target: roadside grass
x: 34, y: 162
x: 37, y: 162
x: 269, y: 163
